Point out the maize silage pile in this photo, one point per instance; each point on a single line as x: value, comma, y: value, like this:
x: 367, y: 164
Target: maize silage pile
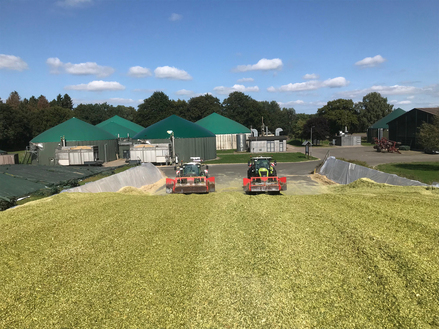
x: 365, y: 256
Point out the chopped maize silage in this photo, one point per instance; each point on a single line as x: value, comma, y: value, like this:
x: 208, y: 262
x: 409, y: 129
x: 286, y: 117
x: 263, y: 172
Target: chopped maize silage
x: 361, y: 257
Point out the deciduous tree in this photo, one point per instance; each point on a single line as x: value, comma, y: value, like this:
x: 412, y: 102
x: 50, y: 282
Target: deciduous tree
x: 202, y: 106
x: 244, y: 109
x: 340, y: 114
x: 43, y: 103
x: 429, y: 135
x: 49, y: 117
x: 14, y: 127
x: 320, y: 128
x: 153, y: 109
x: 91, y: 113
x: 14, y: 100
x: 180, y: 108
x: 373, y: 108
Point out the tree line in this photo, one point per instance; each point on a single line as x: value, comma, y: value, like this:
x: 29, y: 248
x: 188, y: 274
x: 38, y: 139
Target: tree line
x: 23, y: 119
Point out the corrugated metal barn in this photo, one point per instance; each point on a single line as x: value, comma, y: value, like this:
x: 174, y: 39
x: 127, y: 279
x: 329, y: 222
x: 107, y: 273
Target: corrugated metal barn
x: 75, y: 132
x: 191, y: 140
x: 264, y: 144
x: 380, y: 128
x: 225, y: 130
x: 405, y: 128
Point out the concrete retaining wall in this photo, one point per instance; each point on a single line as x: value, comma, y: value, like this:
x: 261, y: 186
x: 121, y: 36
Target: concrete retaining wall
x: 139, y: 176
x: 344, y: 173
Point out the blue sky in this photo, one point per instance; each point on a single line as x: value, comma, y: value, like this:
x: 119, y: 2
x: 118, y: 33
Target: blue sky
x: 301, y: 54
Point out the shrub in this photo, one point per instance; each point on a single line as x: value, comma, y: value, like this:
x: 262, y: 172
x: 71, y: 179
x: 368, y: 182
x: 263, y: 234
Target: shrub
x: 7, y: 203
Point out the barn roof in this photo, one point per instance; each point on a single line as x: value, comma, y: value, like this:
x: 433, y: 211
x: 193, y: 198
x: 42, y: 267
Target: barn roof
x: 382, y: 123
x: 431, y: 110
x: 219, y: 124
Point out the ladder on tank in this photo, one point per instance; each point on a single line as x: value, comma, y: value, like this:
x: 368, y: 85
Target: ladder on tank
x: 29, y: 154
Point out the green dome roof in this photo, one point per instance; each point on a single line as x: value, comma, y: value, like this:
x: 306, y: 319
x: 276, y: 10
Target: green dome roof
x: 123, y: 122
x: 73, y: 130
x: 118, y: 130
x: 218, y: 124
x: 182, y: 129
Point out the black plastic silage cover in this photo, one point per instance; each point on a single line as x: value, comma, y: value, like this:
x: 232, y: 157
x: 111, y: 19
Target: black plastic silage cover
x: 21, y: 180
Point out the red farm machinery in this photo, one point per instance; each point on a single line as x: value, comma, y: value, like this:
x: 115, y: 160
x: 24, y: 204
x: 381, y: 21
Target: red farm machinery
x: 262, y: 177
x: 191, y: 177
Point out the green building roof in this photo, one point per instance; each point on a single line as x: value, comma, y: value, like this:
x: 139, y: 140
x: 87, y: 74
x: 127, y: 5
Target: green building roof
x: 123, y: 122
x: 182, y: 129
x: 218, y: 124
x: 73, y: 130
x: 118, y: 130
x: 382, y: 123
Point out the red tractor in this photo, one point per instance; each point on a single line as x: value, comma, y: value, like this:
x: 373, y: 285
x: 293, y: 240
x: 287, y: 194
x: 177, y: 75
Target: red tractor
x: 191, y: 177
x: 262, y: 177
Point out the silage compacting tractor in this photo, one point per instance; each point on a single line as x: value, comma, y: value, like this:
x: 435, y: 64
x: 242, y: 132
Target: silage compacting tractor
x: 262, y: 177
x: 191, y: 177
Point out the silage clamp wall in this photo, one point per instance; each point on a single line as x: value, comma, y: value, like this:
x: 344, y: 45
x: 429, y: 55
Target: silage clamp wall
x: 343, y: 172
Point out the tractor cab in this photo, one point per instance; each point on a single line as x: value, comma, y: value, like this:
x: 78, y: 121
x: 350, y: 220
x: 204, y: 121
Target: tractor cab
x: 192, y: 169
x: 262, y: 176
x: 261, y: 167
x: 191, y: 177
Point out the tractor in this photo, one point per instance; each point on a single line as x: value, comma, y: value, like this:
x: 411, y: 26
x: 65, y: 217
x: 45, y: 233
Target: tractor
x: 262, y: 176
x: 191, y: 177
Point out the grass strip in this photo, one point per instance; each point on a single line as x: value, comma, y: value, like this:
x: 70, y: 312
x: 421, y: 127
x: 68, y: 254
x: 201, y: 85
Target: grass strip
x: 425, y: 172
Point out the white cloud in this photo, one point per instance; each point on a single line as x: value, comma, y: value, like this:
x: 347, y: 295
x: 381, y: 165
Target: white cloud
x: 263, y: 65
x: 175, y: 17
x: 123, y: 100
x: 246, y: 80
x: 312, y: 76
x: 383, y: 90
x: 396, y: 102
x: 12, y: 62
x: 97, y: 86
x: 167, y: 72
x: 139, y: 72
x: 310, y: 85
x: 335, y: 83
x: 371, y: 61
x: 298, y: 86
x: 88, y: 68
x: 73, y: 3
x: 227, y: 90
x: 54, y: 64
x: 291, y: 103
x: 184, y: 92
x: 432, y: 90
